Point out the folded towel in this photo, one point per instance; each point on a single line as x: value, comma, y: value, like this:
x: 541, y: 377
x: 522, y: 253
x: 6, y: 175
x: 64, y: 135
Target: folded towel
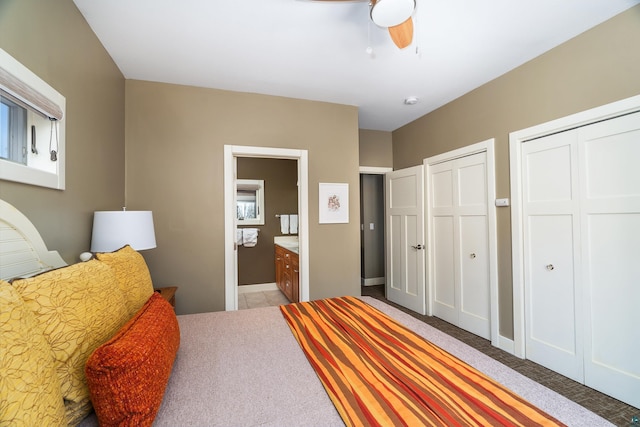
x: 284, y: 224
x: 249, y: 237
x: 239, y: 236
x: 293, y: 224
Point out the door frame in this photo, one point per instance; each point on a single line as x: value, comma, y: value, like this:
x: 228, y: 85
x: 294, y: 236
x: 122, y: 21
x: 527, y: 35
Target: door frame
x: 516, y: 139
x: 231, y: 153
x: 487, y: 147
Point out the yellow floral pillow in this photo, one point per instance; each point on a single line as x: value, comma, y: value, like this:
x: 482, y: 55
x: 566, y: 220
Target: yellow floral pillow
x: 78, y: 307
x: 29, y: 387
x: 133, y: 276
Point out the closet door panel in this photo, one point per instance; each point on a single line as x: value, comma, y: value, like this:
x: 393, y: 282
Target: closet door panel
x: 472, y: 182
x: 610, y: 187
x: 475, y: 313
x: 443, y: 241
x: 613, y: 364
x: 610, y: 153
x: 551, y: 321
x: 549, y: 171
x: 444, y: 270
x: 441, y: 188
x: 473, y: 257
x: 581, y: 254
x: 551, y: 212
x: 460, y: 242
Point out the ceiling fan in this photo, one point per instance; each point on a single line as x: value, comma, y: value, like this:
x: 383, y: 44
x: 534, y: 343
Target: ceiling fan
x: 395, y: 15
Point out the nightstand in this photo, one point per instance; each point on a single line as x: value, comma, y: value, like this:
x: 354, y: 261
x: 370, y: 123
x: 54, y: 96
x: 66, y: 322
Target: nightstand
x: 168, y: 293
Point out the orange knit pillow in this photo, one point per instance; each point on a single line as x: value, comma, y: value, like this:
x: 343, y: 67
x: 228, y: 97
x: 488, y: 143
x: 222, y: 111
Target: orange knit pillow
x: 128, y: 374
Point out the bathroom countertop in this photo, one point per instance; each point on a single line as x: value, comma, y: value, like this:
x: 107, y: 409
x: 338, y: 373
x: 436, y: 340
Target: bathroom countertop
x: 287, y: 242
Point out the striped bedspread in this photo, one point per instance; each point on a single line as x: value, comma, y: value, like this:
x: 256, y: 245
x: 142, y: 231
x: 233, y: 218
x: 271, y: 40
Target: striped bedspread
x: 378, y: 372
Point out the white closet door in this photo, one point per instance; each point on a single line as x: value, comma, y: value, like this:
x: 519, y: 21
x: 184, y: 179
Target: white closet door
x: 443, y: 241
x: 581, y: 208
x: 460, y: 243
x: 551, y: 232
x: 473, y: 261
x: 610, y: 190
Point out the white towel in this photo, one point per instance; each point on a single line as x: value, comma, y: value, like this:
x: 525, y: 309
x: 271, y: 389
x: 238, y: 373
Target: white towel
x: 239, y: 237
x: 293, y: 224
x: 249, y: 237
x: 284, y: 224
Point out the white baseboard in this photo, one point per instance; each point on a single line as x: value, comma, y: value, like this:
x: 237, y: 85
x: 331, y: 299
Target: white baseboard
x: 372, y: 281
x: 245, y: 289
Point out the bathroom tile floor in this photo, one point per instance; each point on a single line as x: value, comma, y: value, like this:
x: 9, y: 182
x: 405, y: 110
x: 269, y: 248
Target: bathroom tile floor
x: 261, y: 299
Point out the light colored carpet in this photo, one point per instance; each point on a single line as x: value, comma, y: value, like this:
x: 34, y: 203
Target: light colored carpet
x: 548, y: 400
x: 245, y: 368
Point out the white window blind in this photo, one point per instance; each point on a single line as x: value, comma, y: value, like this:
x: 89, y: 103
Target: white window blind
x: 15, y: 88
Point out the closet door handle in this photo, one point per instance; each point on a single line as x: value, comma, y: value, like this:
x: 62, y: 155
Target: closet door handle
x: 418, y: 247
x: 550, y: 267
x: 472, y: 256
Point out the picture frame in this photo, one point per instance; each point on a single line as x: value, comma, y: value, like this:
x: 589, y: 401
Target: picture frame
x: 333, y: 203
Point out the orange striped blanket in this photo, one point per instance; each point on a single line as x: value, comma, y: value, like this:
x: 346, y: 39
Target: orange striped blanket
x: 378, y: 372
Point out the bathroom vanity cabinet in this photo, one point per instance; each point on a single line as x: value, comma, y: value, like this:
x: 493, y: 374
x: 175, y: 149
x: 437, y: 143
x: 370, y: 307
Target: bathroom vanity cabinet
x: 287, y: 272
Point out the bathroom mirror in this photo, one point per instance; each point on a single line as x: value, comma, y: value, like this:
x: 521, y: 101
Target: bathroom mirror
x: 250, y: 201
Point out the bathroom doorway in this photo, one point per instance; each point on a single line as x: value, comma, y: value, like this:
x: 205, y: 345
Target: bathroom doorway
x: 231, y: 156
x: 278, y: 180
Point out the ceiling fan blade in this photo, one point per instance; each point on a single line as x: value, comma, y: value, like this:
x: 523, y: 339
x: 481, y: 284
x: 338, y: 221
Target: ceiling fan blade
x: 402, y: 34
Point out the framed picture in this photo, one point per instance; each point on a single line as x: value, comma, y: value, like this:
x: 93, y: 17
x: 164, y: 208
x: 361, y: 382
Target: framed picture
x: 334, y: 203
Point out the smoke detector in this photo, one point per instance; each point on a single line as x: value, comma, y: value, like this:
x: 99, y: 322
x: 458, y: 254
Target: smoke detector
x: 411, y: 100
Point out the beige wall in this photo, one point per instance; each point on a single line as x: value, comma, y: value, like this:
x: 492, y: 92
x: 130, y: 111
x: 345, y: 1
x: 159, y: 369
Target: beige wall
x: 376, y: 148
x: 600, y: 66
x: 175, y: 137
x: 53, y: 40
x: 256, y: 264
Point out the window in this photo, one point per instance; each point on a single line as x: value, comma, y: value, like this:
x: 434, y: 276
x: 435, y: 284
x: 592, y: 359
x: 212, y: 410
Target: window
x: 250, y: 201
x: 13, y: 135
x: 32, y: 127
x: 27, y: 137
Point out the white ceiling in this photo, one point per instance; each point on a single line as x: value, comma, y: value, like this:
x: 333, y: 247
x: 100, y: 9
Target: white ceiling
x: 318, y: 50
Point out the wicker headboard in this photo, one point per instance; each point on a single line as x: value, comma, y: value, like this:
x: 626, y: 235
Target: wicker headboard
x: 22, y: 250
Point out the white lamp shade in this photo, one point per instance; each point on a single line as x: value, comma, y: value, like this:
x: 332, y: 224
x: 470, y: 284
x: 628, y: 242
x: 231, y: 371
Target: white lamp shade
x: 115, y: 229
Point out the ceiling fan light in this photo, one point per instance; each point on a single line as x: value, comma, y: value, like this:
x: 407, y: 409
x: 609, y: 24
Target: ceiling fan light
x: 389, y: 13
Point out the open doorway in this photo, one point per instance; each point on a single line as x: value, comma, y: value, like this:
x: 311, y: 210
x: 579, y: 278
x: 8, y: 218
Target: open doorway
x: 231, y: 155
x: 372, y: 230
x: 259, y: 225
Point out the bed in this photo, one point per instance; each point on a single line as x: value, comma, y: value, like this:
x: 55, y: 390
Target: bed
x: 247, y: 368
x: 22, y: 250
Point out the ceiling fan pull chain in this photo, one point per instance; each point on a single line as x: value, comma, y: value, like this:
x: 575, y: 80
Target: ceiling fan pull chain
x: 416, y: 26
